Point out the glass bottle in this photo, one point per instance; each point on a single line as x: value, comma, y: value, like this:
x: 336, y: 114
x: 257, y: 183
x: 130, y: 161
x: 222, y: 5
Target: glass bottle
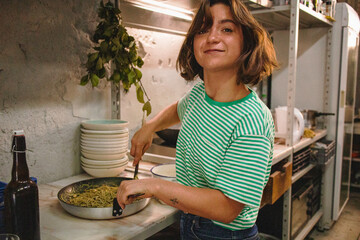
x: 21, y: 196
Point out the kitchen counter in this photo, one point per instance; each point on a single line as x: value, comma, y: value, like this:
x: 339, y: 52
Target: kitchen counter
x: 56, y: 223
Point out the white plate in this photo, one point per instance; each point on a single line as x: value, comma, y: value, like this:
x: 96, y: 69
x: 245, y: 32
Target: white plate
x: 104, y: 150
x: 103, y: 157
x: 103, y: 166
x: 102, y: 142
x: 104, y: 162
x: 104, y: 136
x: 122, y: 131
x: 104, y: 146
x: 105, y: 124
x: 109, y: 172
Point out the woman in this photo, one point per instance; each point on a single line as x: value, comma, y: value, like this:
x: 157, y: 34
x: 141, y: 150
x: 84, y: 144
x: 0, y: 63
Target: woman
x: 225, y: 146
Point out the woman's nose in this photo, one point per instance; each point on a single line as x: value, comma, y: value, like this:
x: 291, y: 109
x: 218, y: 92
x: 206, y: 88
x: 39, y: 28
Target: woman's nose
x: 213, y: 35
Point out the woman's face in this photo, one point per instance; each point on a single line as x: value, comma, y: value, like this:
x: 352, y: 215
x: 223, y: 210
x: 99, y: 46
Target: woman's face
x: 219, y: 47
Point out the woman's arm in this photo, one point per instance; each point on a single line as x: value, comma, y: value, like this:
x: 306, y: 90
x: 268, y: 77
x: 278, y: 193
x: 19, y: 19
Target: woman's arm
x: 204, y: 202
x: 142, y: 139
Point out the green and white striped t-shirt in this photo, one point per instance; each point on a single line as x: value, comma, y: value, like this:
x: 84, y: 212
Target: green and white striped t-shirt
x: 226, y: 146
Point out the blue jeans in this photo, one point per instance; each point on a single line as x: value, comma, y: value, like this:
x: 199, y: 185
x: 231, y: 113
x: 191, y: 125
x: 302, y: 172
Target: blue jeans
x: 195, y: 227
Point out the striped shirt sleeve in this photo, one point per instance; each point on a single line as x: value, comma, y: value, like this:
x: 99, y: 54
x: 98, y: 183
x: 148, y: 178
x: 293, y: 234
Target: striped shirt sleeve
x: 244, y: 169
x: 182, y: 105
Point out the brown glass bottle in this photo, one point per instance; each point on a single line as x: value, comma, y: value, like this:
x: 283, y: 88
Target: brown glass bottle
x: 21, y: 196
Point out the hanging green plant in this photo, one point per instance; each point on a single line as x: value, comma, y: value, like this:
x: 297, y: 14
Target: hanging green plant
x: 114, y: 45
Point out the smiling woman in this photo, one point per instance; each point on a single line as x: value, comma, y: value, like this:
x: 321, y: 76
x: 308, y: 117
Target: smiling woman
x: 225, y: 145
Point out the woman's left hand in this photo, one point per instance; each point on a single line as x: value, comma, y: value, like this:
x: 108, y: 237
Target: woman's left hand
x: 134, y: 187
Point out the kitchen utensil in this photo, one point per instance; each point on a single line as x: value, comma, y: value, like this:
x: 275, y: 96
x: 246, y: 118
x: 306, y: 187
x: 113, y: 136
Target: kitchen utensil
x: 137, y: 165
x: 310, y: 117
x: 280, y: 121
x: 136, y: 171
x: 97, y: 213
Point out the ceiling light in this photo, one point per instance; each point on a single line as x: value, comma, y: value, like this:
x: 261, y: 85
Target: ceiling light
x: 163, y: 8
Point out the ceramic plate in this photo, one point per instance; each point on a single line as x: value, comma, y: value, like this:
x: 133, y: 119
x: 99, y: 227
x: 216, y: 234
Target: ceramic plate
x: 104, y: 150
x: 104, y: 136
x: 104, y: 124
x: 102, y: 142
x: 103, y: 166
x: 103, y: 157
x: 108, y: 172
x: 123, y: 131
x: 104, y: 162
x: 104, y: 146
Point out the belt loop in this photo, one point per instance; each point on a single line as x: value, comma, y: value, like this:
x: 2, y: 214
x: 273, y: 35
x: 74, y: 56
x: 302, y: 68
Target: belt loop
x: 197, y: 221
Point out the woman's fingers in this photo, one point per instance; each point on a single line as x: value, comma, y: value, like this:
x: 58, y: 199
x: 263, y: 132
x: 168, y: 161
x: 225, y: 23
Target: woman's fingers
x: 126, y: 190
x: 131, y: 190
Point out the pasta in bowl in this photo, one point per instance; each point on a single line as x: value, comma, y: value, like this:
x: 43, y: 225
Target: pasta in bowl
x: 93, y: 199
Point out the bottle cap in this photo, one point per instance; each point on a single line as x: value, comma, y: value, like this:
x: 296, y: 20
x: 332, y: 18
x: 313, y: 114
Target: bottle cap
x: 18, y: 132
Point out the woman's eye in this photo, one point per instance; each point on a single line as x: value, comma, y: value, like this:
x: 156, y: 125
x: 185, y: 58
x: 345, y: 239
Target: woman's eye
x: 227, y: 30
x: 203, y: 31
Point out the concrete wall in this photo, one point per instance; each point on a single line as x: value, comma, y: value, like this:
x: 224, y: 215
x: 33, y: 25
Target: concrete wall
x: 43, y: 45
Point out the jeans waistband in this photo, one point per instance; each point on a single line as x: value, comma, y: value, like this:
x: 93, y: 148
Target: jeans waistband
x: 242, y: 232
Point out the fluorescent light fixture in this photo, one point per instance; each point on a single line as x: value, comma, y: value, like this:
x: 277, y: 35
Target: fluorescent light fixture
x: 159, y: 7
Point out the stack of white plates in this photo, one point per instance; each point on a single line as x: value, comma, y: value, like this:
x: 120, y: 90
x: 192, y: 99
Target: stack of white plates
x: 104, y: 145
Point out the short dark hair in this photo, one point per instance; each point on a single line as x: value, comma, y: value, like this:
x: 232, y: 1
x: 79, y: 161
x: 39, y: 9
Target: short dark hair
x: 257, y: 59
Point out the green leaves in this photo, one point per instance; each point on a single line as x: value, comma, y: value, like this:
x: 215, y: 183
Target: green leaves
x: 94, y: 79
x: 113, y: 43
x: 147, y: 108
x: 139, y: 94
x: 84, y: 80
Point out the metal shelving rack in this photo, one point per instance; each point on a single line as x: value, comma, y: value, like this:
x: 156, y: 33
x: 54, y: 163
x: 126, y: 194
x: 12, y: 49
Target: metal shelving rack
x: 294, y: 17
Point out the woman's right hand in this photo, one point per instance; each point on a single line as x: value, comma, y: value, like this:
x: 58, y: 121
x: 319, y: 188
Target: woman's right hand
x: 142, y: 139
x: 140, y: 142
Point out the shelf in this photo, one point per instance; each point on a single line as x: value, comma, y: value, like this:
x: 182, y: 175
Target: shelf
x: 278, y: 18
x: 304, y: 142
x: 254, y: 5
x: 355, y: 130
x: 301, y: 173
x: 281, y: 152
x: 354, y: 185
x: 352, y: 159
x: 309, y: 226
